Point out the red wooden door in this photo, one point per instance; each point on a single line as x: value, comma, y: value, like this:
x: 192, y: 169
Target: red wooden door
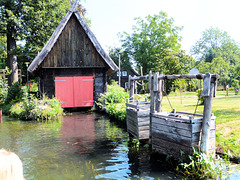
x: 74, y: 91
x: 83, y: 91
x: 64, y: 91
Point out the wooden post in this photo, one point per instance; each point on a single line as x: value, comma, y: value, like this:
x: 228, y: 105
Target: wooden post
x: 159, y: 96
x: 119, y: 71
x: 142, y: 80
x: 152, y: 109
x: 157, y: 90
x: 131, y: 91
x: 150, y: 81
x: 208, y: 88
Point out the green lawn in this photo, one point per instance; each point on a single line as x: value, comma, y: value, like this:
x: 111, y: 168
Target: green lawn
x: 227, y: 112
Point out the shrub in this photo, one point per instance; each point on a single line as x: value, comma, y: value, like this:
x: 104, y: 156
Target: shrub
x: 14, y: 93
x: 3, y: 90
x: 200, y: 166
x: 32, y: 108
x: 115, y: 100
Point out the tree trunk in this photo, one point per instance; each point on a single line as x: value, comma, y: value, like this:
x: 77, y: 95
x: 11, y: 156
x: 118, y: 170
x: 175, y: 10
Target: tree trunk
x: 11, y: 56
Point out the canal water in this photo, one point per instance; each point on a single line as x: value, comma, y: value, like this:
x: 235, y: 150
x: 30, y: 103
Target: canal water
x: 80, y: 146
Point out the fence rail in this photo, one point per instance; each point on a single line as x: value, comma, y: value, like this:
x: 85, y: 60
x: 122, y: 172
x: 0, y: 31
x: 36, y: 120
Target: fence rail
x: 4, y: 75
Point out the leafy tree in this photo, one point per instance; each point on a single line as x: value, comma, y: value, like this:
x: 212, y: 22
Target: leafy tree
x: 152, y: 38
x: 154, y: 44
x: 215, y: 43
x: 217, y: 52
x: 30, y: 21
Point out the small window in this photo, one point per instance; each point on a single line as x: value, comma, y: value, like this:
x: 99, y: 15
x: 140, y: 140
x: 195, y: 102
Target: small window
x: 124, y: 73
x: 126, y: 85
x: 118, y: 73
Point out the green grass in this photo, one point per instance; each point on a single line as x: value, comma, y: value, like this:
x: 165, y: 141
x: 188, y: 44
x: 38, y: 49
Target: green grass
x: 227, y: 112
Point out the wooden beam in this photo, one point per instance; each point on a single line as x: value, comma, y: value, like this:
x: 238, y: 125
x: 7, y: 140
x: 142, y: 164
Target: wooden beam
x: 207, y: 112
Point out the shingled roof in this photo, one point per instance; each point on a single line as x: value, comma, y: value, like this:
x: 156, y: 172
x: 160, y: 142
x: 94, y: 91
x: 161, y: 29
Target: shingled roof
x: 36, y: 63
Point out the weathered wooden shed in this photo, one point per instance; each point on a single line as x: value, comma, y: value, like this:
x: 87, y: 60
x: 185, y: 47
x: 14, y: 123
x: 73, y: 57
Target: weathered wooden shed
x: 72, y: 65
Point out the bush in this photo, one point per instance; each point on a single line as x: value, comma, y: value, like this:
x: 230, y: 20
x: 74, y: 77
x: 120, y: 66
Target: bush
x: 14, y: 93
x: 200, y: 166
x: 3, y: 90
x: 115, y: 100
x: 32, y: 108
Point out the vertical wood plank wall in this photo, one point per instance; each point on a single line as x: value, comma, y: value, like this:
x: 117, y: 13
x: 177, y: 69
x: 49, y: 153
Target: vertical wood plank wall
x: 73, y: 49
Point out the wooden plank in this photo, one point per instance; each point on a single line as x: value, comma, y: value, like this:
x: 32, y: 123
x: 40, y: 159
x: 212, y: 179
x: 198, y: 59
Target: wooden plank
x: 143, y: 134
x: 173, y: 130
x: 143, y: 107
x: 155, y: 82
x: 163, y: 116
x: 156, y: 134
x: 131, y: 105
x: 143, y: 128
x: 147, y: 123
x: 187, y: 113
x: 143, y: 113
x: 143, y: 119
x: 169, y: 148
x: 206, y: 118
x: 171, y: 123
x: 211, y: 145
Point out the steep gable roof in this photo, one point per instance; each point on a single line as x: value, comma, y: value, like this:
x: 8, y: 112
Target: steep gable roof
x: 36, y: 63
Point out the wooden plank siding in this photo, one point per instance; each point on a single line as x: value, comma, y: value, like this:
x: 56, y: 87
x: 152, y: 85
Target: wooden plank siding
x: 138, y: 121
x: 73, y: 49
x: 170, y: 135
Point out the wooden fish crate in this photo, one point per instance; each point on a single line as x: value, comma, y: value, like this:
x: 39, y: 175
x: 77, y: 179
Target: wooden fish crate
x: 138, y: 119
x: 171, y: 133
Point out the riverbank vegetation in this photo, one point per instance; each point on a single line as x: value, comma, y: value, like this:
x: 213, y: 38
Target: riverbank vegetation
x: 17, y: 102
x: 113, y: 101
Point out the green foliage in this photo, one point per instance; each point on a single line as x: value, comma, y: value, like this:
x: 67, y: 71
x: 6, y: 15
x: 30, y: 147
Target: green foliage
x: 115, y: 94
x: 200, y: 166
x: 32, y: 108
x: 154, y: 45
x: 115, y: 100
x: 217, y: 52
x: 3, y: 90
x: 14, y: 93
x: 200, y: 97
x: 235, y: 85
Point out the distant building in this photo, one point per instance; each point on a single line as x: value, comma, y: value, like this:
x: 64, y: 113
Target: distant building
x: 124, y: 76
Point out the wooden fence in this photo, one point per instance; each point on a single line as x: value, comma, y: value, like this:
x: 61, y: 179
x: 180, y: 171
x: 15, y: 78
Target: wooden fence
x: 3, y: 74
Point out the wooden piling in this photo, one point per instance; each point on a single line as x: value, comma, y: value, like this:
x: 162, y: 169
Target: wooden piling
x: 208, y: 88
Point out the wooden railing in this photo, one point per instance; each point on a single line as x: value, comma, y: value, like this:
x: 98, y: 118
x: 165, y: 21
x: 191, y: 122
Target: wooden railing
x: 4, y: 75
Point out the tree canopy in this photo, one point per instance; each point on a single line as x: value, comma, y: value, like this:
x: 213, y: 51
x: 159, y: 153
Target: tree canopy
x: 154, y: 44
x: 30, y: 22
x: 217, y: 52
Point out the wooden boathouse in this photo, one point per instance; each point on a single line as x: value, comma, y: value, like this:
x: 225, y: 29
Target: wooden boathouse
x: 73, y: 66
x: 170, y: 132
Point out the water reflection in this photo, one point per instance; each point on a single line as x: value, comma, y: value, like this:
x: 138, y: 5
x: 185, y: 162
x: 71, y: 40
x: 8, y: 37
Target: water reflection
x: 80, y: 146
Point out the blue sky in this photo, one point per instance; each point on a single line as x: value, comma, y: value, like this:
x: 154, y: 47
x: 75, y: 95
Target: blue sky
x: 109, y: 17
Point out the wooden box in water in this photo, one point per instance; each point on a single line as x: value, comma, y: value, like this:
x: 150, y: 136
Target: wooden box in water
x: 138, y: 120
x: 173, y: 133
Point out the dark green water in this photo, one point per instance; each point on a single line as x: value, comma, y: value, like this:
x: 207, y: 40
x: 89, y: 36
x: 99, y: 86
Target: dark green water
x: 80, y: 146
